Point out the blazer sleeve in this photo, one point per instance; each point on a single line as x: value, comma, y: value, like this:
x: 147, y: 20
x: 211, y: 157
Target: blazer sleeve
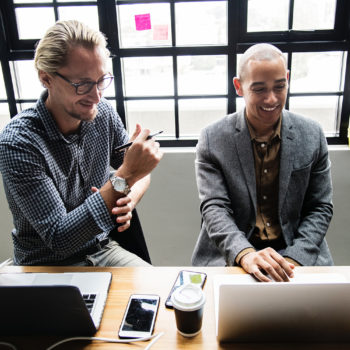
x: 216, y: 207
x: 317, y: 208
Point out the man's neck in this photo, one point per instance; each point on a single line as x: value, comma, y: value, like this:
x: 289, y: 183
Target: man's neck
x: 65, y: 123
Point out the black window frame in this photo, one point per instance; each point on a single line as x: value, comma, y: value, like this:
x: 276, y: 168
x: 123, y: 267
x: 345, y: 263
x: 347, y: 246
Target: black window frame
x: 290, y: 41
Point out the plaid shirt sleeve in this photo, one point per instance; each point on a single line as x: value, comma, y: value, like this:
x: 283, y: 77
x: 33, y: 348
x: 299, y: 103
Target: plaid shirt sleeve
x: 48, y: 186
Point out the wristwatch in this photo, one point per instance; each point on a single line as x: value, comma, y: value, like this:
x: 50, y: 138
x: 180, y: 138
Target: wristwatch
x: 119, y: 184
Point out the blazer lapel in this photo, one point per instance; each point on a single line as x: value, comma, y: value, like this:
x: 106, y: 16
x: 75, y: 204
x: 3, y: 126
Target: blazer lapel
x: 286, y: 158
x: 245, y: 155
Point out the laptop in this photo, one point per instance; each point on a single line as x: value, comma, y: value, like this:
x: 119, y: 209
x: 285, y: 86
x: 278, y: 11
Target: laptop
x: 52, y: 303
x: 312, y: 307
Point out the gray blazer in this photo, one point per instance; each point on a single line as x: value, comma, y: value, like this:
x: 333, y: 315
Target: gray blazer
x: 227, y: 190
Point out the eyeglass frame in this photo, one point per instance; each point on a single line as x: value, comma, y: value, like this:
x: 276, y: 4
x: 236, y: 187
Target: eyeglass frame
x: 77, y: 85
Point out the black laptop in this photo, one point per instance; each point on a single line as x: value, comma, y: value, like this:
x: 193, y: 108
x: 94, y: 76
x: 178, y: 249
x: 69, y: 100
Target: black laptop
x: 52, y: 303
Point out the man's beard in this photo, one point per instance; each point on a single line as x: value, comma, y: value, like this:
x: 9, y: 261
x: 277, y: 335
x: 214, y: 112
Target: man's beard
x: 80, y: 117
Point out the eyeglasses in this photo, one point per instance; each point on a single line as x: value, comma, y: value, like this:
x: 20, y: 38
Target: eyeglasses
x: 85, y: 87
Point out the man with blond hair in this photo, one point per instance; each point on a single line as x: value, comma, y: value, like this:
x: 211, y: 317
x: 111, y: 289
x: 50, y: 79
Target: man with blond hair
x: 264, y: 179
x: 55, y: 159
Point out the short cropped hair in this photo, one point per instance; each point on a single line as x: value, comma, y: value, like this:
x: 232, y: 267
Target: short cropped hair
x: 52, y: 50
x: 259, y: 52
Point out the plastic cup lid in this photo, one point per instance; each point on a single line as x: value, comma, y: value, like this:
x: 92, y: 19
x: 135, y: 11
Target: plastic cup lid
x: 188, y: 297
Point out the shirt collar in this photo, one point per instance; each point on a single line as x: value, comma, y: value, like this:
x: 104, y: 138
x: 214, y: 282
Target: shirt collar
x: 276, y: 133
x: 51, y: 127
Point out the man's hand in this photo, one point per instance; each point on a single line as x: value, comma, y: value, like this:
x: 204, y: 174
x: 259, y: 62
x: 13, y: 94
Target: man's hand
x: 123, y: 210
x: 141, y: 158
x: 269, y: 261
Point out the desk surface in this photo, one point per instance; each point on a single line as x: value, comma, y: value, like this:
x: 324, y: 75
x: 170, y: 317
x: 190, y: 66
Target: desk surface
x: 157, y: 280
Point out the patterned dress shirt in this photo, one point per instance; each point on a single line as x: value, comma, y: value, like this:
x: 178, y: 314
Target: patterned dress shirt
x: 48, y: 178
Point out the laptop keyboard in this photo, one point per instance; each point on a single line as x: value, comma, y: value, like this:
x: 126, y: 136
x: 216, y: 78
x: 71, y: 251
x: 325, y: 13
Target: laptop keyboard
x: 89, y: 301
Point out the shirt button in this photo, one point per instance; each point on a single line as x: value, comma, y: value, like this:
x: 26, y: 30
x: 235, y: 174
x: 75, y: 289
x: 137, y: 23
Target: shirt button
x: 265, y: 171
x: 268, y: 224
x: 264, y: 197
x: 262, y: 145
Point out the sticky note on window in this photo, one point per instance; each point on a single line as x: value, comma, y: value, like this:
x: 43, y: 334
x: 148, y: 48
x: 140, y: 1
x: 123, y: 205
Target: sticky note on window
x: 143, y: 22
x: 160, y: 32
x: 196, y: 278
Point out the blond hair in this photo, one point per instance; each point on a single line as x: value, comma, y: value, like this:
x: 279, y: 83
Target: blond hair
x: 259, y: 52
x: 52, y: 50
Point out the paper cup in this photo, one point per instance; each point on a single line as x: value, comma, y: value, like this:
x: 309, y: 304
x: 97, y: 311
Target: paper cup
x: 188, y: 302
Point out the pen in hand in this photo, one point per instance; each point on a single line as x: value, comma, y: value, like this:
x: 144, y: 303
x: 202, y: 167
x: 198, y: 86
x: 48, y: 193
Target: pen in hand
x: 120, y: 148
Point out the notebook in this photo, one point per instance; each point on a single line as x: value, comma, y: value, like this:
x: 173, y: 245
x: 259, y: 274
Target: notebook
x: 52, y: 303
x: 312, y: 307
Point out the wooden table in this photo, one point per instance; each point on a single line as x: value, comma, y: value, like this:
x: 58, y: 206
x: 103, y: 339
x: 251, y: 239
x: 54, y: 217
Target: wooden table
x: 157, y: 280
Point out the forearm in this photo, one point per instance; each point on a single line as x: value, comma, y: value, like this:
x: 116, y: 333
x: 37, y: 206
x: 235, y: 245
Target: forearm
x: 224, y: 232
x: 139, y: 189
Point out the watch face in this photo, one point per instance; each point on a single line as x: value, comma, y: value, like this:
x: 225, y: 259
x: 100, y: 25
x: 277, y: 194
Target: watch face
x: 120, y: 185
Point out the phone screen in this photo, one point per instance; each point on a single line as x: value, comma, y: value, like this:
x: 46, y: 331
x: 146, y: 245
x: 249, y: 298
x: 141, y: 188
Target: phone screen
x: 140, y: 316
x: 184, y: 277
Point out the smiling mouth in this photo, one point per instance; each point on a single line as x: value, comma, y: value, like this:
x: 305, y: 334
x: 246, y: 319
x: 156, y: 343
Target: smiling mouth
x: 86, y: 104
x: 269, y: 109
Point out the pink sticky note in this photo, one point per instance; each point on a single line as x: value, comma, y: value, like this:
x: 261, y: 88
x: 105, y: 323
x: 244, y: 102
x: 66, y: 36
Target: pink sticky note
x: 143, y: 22
x: 160, y: 32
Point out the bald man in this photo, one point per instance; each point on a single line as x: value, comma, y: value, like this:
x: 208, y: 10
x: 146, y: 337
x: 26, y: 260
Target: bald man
x: 264, y: 180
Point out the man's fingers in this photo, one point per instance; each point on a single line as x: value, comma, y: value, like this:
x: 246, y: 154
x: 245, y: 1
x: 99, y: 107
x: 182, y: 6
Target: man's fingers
x: 283, y: 263
x: 269, y: 261
x: 275, y: 271
x: 121, y: 210
x: 124, y: 218
x: 259, y: 275
x: 136, y: 132
x: 124, y: 227
x: 123, y: 201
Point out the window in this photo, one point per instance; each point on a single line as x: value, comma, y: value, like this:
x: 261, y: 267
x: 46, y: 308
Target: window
x: 4, y: 111
x: 174, y: 60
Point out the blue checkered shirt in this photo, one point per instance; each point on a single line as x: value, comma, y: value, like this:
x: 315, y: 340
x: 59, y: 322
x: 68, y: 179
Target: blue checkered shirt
x: 48, y: 178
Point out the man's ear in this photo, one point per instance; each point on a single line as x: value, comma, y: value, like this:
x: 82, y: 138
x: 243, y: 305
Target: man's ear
x: 238, y: 86
x: 45, y: 79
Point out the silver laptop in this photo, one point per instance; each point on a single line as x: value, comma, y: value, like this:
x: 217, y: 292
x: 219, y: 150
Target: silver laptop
x: 312, y: 307
x: 52, y: 303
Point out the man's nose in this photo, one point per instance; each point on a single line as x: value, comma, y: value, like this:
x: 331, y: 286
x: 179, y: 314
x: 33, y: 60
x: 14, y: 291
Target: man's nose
x: 270, y: 97
x: 95, y: 94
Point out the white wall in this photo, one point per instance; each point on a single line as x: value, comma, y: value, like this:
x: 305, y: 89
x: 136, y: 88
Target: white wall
x: 170, y: 214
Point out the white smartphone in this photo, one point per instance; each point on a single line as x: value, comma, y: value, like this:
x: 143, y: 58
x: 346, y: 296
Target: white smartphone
x: 140, y: 316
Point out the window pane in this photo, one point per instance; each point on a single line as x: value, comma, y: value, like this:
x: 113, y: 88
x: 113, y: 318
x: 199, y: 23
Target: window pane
x: 267, y: 15
x: 110, y: 91
x: 316, y: 71
x: 76, y: 0
x: 240, y: 104
x: 195, y: 114
x: 85, y: 14
x: 4, y: 115
x: 22, y: 106
x: 144, y: 25
x: 323, y: 109
x: 314, y: 14
x: 148, y: 76
x: 34, y: 29
x: 25, y: 80
x: 201, y: 23
x: 29, y: 1
x: 155, y: 115
x: 198, y: 75
x: 2, y: 85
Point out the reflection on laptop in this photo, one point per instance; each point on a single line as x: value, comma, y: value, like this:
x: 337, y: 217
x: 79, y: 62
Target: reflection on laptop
x: 52, y: 303
x: 312, y: 307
